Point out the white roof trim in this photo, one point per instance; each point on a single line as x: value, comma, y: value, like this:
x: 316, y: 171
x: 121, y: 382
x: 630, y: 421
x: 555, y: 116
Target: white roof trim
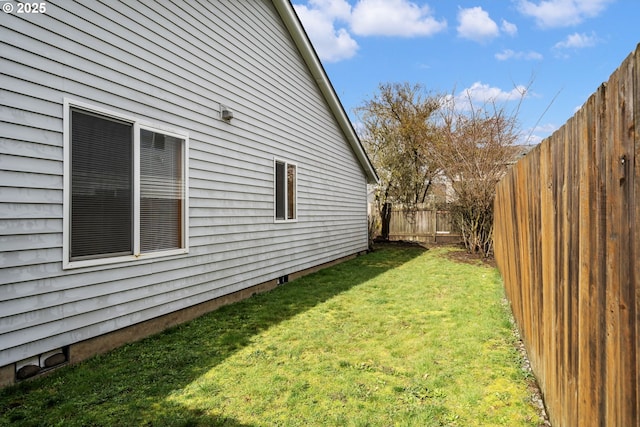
x: 300, y: 38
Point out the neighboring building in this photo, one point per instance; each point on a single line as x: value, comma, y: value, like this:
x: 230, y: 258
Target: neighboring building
x: 442, y: 191
x: 520, y: 151
x: 157, y: 161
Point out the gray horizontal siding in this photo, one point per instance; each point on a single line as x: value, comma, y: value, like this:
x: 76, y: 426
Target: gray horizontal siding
x: 170, y: 64
x: 17, y: 227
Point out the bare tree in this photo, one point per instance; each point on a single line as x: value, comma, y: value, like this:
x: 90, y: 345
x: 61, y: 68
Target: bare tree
x: 475, y: 148
x: 413, y: 136
x: 397, y: 125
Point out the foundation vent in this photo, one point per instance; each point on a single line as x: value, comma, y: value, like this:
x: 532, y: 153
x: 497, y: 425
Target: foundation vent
x: 35, y: 365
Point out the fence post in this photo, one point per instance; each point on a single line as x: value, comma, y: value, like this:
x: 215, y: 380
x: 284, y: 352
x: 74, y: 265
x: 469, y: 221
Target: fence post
x: 435, y: 225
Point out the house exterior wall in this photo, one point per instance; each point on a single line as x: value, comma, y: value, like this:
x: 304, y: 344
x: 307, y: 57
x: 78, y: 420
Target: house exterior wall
x: 170, y: 64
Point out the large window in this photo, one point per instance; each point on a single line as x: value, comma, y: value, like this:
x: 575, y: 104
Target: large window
x: 125, y: 188
x: 285, y: 191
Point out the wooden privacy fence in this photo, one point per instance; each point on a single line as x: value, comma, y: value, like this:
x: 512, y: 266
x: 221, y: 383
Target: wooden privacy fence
x: 426, y: 224
x: 567, y: 242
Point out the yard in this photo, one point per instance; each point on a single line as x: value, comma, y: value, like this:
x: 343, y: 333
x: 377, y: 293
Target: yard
x: 400, y: 336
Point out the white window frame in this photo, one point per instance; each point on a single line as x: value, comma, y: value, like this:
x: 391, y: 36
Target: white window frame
x: 287, y: 163
x: 138, y: 125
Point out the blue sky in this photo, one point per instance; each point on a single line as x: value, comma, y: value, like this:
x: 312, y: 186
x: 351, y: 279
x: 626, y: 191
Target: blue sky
x: 561, y: 49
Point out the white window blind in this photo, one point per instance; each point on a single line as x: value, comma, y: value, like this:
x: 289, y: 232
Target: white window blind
x: 125, y: 189
x: 161, y: 191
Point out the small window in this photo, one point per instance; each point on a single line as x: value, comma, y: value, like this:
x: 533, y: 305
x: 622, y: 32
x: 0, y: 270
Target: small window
x: 125, y: 189
x: 285, y: 191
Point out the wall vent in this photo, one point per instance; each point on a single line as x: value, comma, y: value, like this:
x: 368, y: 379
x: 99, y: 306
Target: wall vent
x: 35, y: 365
x: 283, y: 279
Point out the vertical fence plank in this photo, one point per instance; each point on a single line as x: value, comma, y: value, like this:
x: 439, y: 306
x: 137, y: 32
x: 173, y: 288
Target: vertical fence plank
x: 574, y: 149
x: 599, y: 251
x: 547, y: 376
x: 613, y: 215
x: 625, y: 264
x: 585, y: 330
x: 635, y: 232
x: 534, y: 223
x: 560, y: 311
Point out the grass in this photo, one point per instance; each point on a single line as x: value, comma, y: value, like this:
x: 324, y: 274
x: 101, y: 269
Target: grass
x: 400, y: 336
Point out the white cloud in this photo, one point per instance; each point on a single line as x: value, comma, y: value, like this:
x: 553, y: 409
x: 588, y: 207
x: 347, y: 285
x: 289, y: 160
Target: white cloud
x: 331, y: 23
x: 480, y: 93
x: 577, y: 41
x: 546, y: 128
x: 561, y: 13
x: 509, y: 27
x: 331, y: 44
x: 529, y: 139
x: 339, y: 9
x: 535, y: 135
x: 507, y: 54
x: 475, y: 24
x: 394, y: 18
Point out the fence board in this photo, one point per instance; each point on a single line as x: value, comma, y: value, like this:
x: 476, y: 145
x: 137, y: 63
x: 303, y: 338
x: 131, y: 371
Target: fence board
x: 635, y: 254
x: 549, y: 323
x: 567, y: 242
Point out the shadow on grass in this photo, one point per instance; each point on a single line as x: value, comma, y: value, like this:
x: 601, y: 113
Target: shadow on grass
x: 130, y: 385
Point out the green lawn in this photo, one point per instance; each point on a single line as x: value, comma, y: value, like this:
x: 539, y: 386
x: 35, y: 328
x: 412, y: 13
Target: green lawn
x: 398, y: 337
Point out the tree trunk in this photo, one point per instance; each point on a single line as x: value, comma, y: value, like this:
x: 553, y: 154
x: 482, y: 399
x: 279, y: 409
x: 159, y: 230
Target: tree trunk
x: 385, y: 219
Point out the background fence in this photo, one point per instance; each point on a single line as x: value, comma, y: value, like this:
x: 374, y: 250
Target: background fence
x: 426, y: 224
x: 567, y: 241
